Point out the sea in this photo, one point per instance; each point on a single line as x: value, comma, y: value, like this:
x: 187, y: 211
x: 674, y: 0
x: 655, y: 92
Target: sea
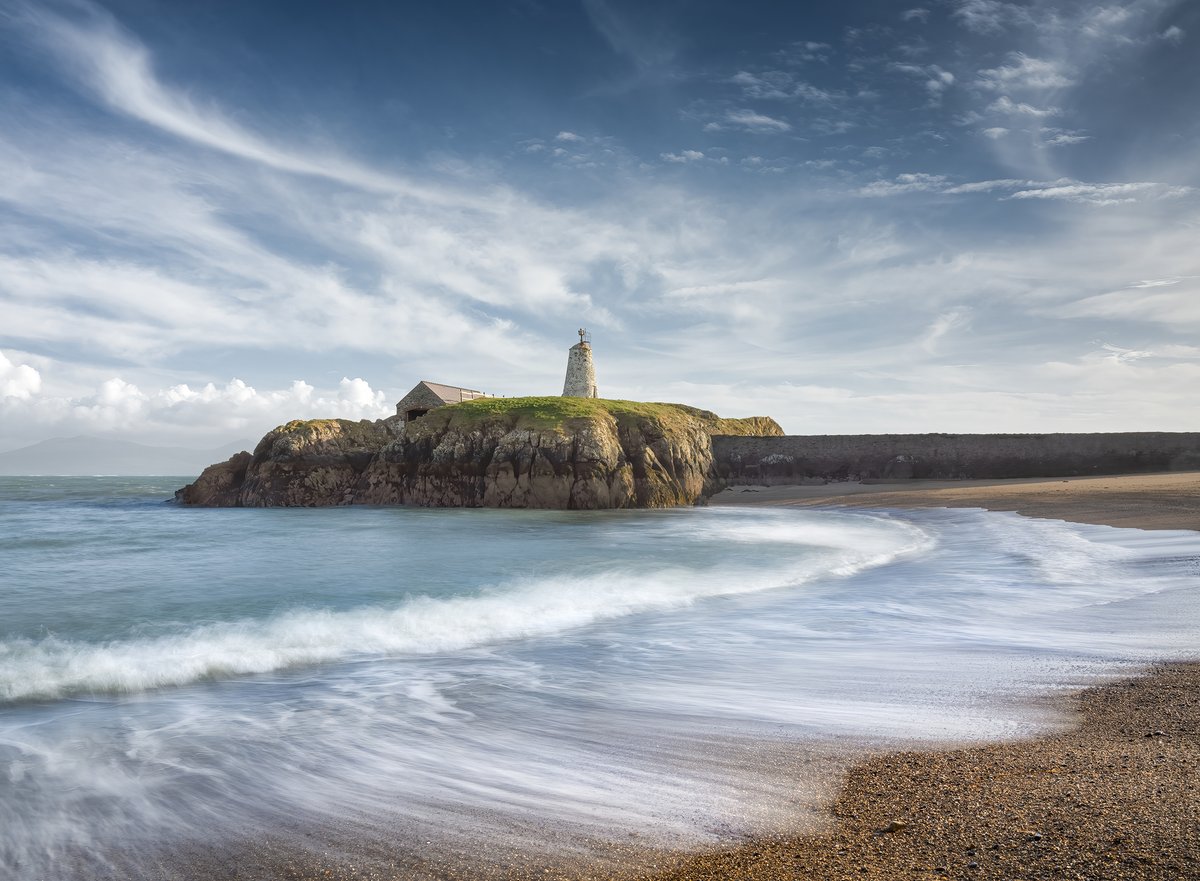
x: 196, y: 681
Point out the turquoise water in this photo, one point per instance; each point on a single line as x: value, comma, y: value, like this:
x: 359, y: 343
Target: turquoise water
x: 171, y: 674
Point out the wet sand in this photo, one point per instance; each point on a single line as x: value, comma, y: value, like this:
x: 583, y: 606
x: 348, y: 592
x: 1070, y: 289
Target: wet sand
x: 1140, y: 501
x: 1116, y: 798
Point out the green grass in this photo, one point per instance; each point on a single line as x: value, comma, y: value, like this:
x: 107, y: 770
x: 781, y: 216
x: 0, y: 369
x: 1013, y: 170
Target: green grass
x: 553, y: 412
x: 541, y: 413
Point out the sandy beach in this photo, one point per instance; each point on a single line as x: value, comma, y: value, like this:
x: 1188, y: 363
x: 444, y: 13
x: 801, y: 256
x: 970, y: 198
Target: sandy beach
x: 1138, y: 501
x: 1114, y: 798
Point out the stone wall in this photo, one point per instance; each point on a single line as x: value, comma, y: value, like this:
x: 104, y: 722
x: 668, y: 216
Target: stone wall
x: 420, y: 398
x: 796, y: 458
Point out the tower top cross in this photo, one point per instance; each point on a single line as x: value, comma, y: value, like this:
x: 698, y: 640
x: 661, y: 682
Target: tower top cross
x: 582, y: 335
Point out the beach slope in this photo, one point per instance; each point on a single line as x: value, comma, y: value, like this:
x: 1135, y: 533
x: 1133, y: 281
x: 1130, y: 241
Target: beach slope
x: 1114, y: 798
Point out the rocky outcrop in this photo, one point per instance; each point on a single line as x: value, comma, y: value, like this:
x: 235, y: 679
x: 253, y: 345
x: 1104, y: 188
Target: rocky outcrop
x: 300, y: 464
x: 504, y: 453
x: 219, y: 485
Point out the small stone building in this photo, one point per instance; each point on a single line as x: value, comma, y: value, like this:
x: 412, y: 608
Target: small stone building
x: 427, y: 396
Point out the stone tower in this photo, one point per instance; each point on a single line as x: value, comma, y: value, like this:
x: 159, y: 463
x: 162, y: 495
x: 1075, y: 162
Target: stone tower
x: 581, y: 373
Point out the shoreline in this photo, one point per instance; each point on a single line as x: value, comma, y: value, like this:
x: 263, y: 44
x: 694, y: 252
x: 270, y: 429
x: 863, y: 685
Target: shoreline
x: 1137, y: 501
x: 1113, y: 797
x: 1110, y: 797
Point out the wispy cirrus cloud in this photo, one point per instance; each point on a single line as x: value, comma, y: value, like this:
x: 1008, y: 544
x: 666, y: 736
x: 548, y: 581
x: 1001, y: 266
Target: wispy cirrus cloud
x: 1102, y: 193
x: 944, y: 324
x: 905, y: 183
x: 1023, y: 73
x: 781, y: 85
x: 1007, y: 105
x: 992, y: 16
x: 750, y: 120
x: 107, y: 61
x: 1063, y: 190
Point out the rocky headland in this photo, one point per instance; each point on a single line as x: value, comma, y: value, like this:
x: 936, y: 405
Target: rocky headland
x: 576, y: 453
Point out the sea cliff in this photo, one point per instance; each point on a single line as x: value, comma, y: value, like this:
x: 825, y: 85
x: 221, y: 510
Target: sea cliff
x: 573, y: 453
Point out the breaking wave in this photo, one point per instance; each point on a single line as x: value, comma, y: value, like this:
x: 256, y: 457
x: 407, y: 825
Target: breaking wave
x: 53, y: 667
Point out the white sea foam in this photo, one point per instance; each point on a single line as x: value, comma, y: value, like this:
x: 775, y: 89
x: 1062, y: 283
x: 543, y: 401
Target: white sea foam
x: 54, y: 667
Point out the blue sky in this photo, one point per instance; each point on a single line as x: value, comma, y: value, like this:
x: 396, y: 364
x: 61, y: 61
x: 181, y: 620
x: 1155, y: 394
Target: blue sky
x: 968, y: 215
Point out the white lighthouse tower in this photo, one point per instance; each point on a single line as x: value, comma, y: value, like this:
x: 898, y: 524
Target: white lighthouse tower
x: 581, y: 373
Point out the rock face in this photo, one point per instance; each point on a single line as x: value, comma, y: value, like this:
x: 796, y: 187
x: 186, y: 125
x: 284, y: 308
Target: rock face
x: 503, y: 453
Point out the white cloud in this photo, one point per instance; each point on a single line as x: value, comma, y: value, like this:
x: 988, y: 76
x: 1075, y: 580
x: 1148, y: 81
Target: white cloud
x: 110, y: 63
x: 756, y: 122
x: 1062, y: 138
x: 434, y: 255
x: 18, y: 380
x: 905, y: 183
x: 995, y: 132
x: 188, y: 416
x: 194, y: 248
x: 1156, y: 283
x: 1063, y: 189
x: 683, y: 156
x: 942, y: 325
x: 1023, y: 73
x: 1175, y: 305
x: 1174, y: 34
x: 1104, y: 193
x: 917, y: 14
x: 1103, y: 20
x: 991, y: 16
x: 1005, y: 104
x: 987, y: 186
x: 804, y: 51
x: 936, y: 79
x: 568, y: 136
x: 781, y: 85
x: 1122, y: 355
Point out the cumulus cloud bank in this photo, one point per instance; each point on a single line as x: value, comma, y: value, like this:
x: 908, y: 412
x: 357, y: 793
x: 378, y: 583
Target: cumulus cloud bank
x: 18, y: 381
x: 178, y: 414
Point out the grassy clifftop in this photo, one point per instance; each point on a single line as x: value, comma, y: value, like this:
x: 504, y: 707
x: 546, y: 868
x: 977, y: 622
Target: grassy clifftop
x: 540, y: 413
x: 579, y: 453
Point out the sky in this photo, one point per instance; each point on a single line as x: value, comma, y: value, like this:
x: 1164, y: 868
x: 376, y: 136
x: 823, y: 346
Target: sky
x: 963, y: 216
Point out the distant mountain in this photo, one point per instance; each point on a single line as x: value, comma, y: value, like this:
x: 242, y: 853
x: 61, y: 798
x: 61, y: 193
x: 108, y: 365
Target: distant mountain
x: 84, y: 455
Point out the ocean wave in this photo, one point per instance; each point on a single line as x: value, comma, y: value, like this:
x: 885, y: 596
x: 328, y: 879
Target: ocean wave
x: 54, y: 667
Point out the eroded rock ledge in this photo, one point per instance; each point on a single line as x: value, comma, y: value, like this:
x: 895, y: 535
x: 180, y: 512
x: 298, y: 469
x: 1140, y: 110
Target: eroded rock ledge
x: 497, y: 452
